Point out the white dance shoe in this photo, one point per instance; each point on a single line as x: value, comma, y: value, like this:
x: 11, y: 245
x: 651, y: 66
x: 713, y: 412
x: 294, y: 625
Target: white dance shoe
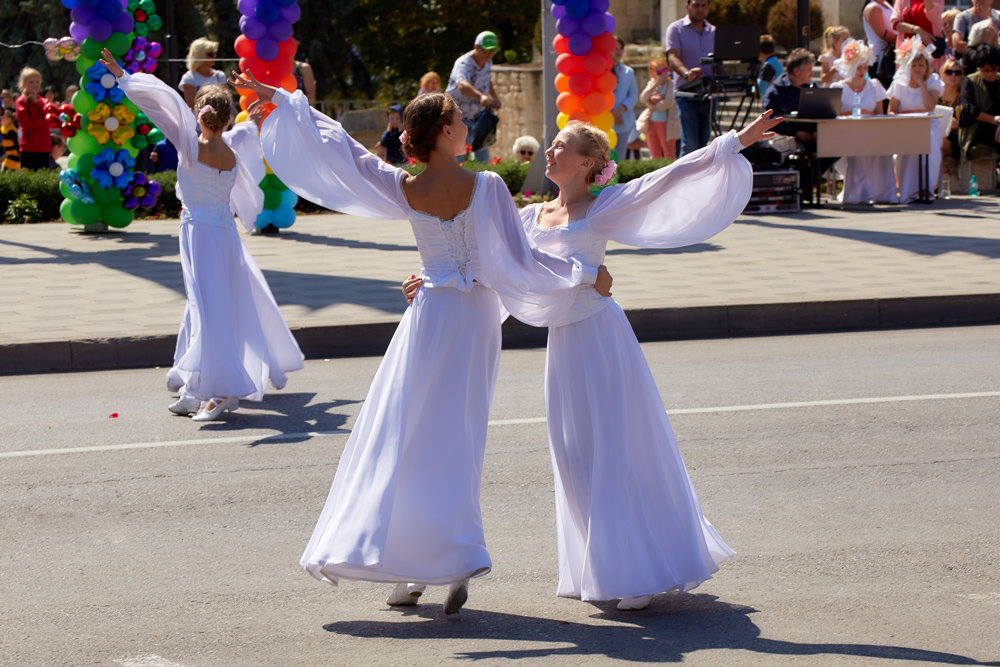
x: 458, y: 593
x: 405, y: 595
x: 215, y: 407
x: 185, y: 406
x: 638, y: 602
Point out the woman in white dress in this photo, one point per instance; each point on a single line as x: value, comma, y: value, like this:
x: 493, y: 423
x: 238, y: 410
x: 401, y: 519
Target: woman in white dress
x: 232, y: 339
x: 915, y: 90
x: 404, y: 506
x: 628, y: 520
x: 867, y: 178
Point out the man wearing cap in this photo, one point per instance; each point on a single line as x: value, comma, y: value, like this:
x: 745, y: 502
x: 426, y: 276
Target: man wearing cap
x: 471, y: 82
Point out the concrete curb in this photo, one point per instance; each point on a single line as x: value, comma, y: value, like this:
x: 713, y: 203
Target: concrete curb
x: 654, y: 324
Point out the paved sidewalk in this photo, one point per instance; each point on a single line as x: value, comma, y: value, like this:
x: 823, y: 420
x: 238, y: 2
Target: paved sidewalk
x: 79, y: 301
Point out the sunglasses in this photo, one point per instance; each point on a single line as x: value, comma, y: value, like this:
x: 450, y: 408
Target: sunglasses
x: 661, y: 71
x: 953, y: 72
x: 524, y: 152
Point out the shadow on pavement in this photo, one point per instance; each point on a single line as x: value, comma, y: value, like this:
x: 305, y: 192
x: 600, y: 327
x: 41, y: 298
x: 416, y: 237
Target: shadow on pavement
x: 697, y: 247
x: 674, y: 626
x: 919, y: 244
x: 291, y: 414
x: 317, y: 239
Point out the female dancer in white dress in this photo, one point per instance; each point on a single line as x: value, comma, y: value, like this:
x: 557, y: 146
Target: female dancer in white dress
x: 628, y: 521
x: 914, y: 89
x: 232, y: 339
x: 866, y: 178
x: 404, y: 506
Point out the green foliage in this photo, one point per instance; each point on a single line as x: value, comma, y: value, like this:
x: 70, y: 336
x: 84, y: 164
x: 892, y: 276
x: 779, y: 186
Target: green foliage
x: 40, y: 186
x: 630, y: 169
x: 23, y: 209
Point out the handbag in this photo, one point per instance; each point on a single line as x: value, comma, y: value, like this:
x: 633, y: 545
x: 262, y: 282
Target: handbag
x: 885, y: 67
x: 642, y: 122
x: 484, y: 130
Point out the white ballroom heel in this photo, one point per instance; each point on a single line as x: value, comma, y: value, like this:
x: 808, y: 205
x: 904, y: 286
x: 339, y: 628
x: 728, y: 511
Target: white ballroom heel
x: 405, y: 595
x: 185, y: 406
x: 636, y: 603
x: 210, y: 413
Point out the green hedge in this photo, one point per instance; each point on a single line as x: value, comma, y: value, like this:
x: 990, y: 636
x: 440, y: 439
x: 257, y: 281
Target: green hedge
x: 38, y: 197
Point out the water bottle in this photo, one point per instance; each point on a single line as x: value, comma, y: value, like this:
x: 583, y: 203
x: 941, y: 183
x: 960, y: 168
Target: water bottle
x: 944, y: 191
x: 856, y: 107
x: 973, y: 186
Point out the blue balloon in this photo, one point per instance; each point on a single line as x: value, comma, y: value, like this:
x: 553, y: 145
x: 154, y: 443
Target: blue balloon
x: 69, y: 4
x: 109, y: 9
x: 267, y: 11
x: 580, y: 44
x: 558, y: 2
x: 289, y: 199
x: 593, y: 24
x: 283, y: 216
x: 577, y: 9
x: 567, y: 27
x: 263, y: 219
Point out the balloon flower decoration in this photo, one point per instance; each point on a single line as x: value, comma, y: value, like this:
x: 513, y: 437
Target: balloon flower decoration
x: 583, y: 46
x: 106, y: 129
x: 64, y: 48
x: 267, y: 49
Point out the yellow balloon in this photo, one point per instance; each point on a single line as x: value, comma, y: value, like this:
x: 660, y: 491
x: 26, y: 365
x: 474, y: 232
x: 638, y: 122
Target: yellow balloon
x: 242, y: 116
x: 561, y: 120
x: 604, y: 121
x: 612, y: 138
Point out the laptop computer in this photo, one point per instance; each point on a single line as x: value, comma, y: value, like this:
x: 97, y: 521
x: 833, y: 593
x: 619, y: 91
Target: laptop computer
x: 819, y: 103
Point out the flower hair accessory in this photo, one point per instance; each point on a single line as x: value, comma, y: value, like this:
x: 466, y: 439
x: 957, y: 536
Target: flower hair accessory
x: 606, y: 174
x: 404, y: 137
x: 907, y: 52
x: 207, y: 109
x: 853, y: 54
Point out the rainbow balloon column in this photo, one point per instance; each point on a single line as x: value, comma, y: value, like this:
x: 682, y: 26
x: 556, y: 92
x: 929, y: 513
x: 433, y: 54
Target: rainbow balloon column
x: 99, y: 185
x: 583, y: 46
x: 267, y: 49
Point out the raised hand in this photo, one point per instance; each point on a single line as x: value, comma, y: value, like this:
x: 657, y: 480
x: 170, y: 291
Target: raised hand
x: 109, y: 61
x: 760, y: 128
x: 257, y: 113
x: 248, y: 81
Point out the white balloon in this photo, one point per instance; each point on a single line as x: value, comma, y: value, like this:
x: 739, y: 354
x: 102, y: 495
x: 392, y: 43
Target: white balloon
x: 116, y: 169
x: 111, y: 124
x: 108, y: 80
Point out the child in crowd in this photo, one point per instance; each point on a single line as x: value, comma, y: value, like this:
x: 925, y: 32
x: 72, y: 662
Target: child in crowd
x: 771, y: 67
x: 833, y: 40
x: 58, y: 159
x: 659, y: 98
x: 36, y: 143
x: 430, y: 83
x: 8, y: 134
x: 389, y: 147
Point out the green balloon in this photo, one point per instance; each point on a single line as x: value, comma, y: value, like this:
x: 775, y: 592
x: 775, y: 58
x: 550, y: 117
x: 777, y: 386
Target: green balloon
x: 154, y: 21
x: 117, y: 216
x: 141, y: 29
x: 106, y: 199
x: 118, y: 44
x: 83, y: 102
x: 83, y: 64
x: 85, y: 165
x: 272, y: 198
x: 66, y: 213
x: 147, y: 6
x: 81, y: 214
x: 139, y: 142
x: 73, y: 161
x: 131, y: 106
x: 91, y: 49
x: 155, y: 136
x: 81, y: 142
x: 64, y: 191
x: 129, y: 146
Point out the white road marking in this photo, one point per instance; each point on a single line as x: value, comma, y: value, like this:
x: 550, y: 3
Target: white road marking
x: 279, y: 437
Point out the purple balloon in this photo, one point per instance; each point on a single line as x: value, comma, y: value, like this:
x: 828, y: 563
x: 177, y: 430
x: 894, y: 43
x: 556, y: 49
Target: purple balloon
x: 108, y: 9
x: 559, y: 2
x: 82, y: 15
x: 266, y: 49
x: 100, y: 30
x: 558, y: 11
x: 599, y: 5
x: 280, y: 30
x: 267, y: 11
x: 567, y: 27
x: 246, y: 7
x: 78, y: 32
x: 124, y: 23
x: 609, y: 23
x: 593, y: 24
x: 580, y: 44
x: 291, y: 13
x: 252, y: 28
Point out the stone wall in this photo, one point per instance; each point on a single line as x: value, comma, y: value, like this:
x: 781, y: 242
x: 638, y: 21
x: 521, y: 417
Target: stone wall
x: 637, y: 20
x: 520, y: 90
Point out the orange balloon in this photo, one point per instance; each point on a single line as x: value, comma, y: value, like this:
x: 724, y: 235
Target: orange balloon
x: 581, y: 116
x: 606, y: 83
x: 581, y: 83
x: 247, y: 100
x: 560, y: 44
x: 562, y: 83
x: 593, y: 103
x: 568, y: 64
x: 289, y: 83
x: 595, y: 63
x: 609, y: 101
x: 568, y: 103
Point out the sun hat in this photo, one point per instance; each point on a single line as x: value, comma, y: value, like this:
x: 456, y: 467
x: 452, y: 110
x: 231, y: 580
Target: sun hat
x: 488, y: 40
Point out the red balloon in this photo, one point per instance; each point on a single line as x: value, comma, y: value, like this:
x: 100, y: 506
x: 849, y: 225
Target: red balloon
x: 595, y: 63
x: 281, y: 67
x: 244, y: 47
x: 593, y: 103
x: 581, y: 83
x: 568, y: 103
x: 604, y: 43
x: 581, y: 116
x: 606, y: 83
x: 609, y: 101
x: 287, y: 48
x: 561, y: 44
x: 568, y: 64
x: 562, y: 83
x: 289, y: 83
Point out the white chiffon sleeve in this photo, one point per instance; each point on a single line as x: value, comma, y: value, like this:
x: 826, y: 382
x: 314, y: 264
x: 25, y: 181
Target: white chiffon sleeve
x: 686, y: 202
x: 534, y: 286
x: 315, y: 157
x: 246, y: 198
x: 168, y: 111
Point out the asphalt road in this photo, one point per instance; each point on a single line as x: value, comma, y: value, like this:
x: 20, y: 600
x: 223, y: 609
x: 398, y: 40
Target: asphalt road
x: 865, y: 525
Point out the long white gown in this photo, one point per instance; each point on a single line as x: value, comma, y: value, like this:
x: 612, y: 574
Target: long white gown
x: 232, y: 339
x: 869, y: 177
x: 404, y: 505
x: 627, y: 516
x: 911, y: 99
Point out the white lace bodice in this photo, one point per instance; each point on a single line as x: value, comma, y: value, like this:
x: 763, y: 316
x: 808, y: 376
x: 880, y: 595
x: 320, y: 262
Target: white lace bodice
x: 205, y: 192
x: 449, y: 254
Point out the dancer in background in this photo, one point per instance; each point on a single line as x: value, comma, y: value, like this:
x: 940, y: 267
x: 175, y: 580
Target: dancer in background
x: 232, y: 339
x: 628, y: 520
x: 404, y: 506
